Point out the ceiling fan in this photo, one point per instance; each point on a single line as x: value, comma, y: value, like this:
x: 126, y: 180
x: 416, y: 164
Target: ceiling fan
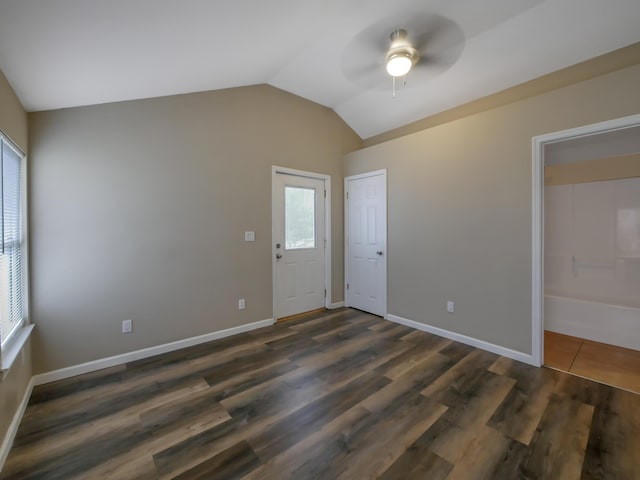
x: 424, y: 44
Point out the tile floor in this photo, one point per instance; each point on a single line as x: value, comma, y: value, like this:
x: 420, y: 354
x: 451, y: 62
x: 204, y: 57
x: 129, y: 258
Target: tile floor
x: 604, y: 363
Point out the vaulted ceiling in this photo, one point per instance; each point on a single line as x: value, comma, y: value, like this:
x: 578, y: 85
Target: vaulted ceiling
x: 66, y: 53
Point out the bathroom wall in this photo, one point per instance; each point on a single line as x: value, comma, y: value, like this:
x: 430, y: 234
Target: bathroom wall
x: 592, y: 241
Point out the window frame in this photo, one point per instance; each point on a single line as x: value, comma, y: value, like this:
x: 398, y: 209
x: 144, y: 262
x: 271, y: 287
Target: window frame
x: 12, y: 345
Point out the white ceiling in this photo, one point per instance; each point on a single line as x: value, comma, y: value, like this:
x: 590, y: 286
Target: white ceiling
x: 67, y: 53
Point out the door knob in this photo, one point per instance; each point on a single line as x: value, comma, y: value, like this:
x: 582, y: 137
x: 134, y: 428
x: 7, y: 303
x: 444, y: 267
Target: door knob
x: 278, y: 256
x: 379, y: 252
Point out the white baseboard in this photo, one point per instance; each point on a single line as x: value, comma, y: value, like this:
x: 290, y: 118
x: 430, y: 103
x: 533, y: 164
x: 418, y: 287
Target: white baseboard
x: 15, y: 423
x: 144, y: 353
x: 333, y: 306
x: 474, y: 342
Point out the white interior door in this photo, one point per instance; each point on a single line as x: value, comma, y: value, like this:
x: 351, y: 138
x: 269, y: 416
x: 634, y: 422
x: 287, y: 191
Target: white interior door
x: 300, y: 241
x: 366, y: 242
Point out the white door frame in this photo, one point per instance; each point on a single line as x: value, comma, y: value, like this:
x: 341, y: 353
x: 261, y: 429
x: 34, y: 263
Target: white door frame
x: 382, y: 172
x: 327, y: 231
x: 537, y: 218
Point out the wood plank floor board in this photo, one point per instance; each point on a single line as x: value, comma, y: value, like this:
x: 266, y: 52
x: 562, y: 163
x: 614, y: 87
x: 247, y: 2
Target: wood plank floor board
x: 457, y: 351
x: 252, y: 411
x: 371, y: 453
x: 306, y: 420
x: 520, y: 413
x: 58, y: 443
x: 131, y: 389
x: 454, y: 387
x: 614, y: 444
x: 481, y: 456
x: 132, y: 440
x: 244, y: 381
x: 294, y: 389
x: 198, y: 448
x: 352, y: 366
x: 311, y: 457
x: 348, y: 330
x: 558, y: 452
x: 412, y: 381
x: 417, y: 464
x: 469, y: 410
x: 335, y: 394
x: 231, y: 464
x: 63, y: 388
x: 66, y: 419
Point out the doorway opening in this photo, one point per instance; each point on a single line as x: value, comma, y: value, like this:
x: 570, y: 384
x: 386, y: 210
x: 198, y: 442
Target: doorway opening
x: 586, y: 251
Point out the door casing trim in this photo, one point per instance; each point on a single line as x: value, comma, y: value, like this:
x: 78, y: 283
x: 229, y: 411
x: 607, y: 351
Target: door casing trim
x: 327, y: 231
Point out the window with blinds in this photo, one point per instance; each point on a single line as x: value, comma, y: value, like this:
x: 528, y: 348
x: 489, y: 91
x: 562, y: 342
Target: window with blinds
x: 11, y: 232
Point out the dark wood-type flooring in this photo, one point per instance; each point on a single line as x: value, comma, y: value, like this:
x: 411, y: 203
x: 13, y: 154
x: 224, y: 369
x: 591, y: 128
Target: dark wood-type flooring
x: 339, y: 394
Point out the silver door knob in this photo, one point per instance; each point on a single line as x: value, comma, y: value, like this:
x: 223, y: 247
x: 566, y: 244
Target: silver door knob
x: 278, y: 256
x: 379, y: 252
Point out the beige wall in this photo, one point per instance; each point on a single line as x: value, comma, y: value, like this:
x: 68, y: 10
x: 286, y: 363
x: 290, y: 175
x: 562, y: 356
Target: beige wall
x: 611, y: 168
x: 460, y: 207
x: 13, y: 123
x: 13, y: 388
x: 139, y: 208
x: 13, y: 119
x: 592, y: 243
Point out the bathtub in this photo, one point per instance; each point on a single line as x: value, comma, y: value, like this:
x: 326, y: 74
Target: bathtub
x: 594, y: 319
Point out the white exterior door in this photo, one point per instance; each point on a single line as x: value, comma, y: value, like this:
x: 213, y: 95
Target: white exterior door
x: 299, y: 237
x: 366, y: 242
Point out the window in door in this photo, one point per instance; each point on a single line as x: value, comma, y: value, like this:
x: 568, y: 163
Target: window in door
x: 300, y: 217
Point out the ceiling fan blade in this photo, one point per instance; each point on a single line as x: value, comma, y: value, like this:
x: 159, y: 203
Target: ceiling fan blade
x: 362, y: 61
x: 368, y: 76
x: 438, y: 33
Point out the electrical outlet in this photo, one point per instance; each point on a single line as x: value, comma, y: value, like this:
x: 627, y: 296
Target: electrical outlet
x: 126, y: 326
x: 450, y: 306
x: 241, y: 304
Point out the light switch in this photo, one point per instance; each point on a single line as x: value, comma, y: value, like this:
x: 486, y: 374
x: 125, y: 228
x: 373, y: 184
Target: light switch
x: 249, y: 236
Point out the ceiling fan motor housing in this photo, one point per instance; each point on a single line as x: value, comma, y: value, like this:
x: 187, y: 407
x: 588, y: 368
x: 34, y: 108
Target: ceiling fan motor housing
x: 401, y: 48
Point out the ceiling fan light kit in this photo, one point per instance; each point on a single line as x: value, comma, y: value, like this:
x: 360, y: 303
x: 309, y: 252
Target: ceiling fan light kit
x: 401, y: 56
x: 399, y: 64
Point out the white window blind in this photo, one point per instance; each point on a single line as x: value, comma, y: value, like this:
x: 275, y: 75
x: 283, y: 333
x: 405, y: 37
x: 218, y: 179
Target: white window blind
x: 11, y: 233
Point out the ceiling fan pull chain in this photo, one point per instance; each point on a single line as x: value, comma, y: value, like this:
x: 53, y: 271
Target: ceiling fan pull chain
x: 394, y: 86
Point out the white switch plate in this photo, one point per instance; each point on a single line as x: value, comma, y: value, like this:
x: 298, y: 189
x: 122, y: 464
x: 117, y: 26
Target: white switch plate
x: 126, y: 326
x: 450, y: 306
x: 241, y: 304
x: 249, y: 236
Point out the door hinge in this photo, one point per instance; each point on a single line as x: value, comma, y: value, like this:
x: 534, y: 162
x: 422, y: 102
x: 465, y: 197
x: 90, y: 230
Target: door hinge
x: 325, y: 194
x: 347, y: 195
x: 325, y: 293
x: 347, y: 286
